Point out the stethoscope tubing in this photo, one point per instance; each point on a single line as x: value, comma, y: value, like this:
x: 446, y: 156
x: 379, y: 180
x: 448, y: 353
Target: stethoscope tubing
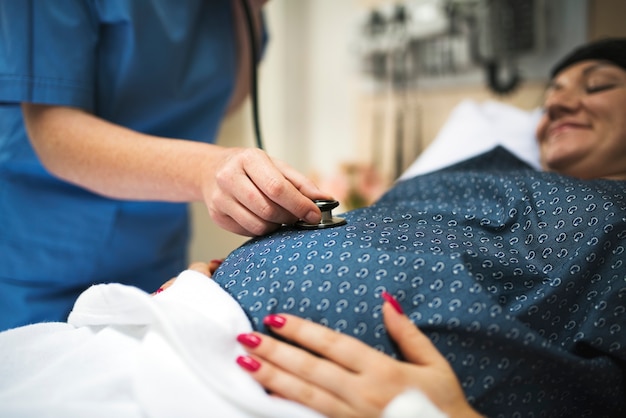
x: 328, y: 220
x: 255, y: 58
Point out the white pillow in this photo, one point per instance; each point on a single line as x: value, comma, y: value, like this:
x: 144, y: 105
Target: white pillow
x: 474, y: 128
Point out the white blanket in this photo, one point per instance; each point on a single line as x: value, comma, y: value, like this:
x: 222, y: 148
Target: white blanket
x: 124, y: 353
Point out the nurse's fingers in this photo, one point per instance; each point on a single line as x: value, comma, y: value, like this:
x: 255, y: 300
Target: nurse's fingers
x: 251, y: 194
x: 278, y: 189
x: 235, y: 217
x: 305, y: 185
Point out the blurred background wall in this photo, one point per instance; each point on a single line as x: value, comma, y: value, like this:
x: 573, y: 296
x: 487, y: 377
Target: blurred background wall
x: 353, y: 90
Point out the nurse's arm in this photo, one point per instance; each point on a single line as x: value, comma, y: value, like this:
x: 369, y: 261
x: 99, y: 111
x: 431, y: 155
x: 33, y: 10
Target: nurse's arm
x: 245, y: 190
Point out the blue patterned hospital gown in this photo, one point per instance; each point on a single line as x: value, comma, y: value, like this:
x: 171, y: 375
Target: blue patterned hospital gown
x: 517, y: 276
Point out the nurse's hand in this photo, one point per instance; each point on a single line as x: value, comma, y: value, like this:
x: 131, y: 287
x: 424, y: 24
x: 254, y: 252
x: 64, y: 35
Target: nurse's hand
x: 245, y: 190
x: 249, y: 193
x: 348, y: 378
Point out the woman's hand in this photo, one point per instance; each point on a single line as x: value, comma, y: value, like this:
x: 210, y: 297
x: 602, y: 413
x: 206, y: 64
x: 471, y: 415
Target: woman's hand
x: 249, y: 193
x: 205, y: 268
x: 347, y: 378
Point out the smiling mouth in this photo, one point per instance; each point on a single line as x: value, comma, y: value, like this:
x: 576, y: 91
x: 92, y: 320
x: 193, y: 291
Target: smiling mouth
x: 561, y: 130
x: 564, y: 128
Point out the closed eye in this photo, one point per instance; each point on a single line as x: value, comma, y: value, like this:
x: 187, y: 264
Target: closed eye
x: 601, y: 87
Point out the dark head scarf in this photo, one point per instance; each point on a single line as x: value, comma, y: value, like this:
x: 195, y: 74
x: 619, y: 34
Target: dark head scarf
x: 612, y: 50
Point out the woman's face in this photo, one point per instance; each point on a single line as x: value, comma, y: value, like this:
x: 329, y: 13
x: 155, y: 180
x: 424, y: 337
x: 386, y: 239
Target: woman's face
x: 583, y: 130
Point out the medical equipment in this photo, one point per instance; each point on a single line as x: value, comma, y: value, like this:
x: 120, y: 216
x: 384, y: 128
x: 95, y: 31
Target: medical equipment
x: 254, y: 57
x: 414, y: 42
x: 326, y: 206
x: 328, y: 220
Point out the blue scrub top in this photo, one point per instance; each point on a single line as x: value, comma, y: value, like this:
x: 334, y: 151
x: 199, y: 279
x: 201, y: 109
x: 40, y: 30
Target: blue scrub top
x: 162, y: 67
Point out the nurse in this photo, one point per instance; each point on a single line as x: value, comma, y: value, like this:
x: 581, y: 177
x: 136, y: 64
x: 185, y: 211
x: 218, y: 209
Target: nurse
x: 108, y: 111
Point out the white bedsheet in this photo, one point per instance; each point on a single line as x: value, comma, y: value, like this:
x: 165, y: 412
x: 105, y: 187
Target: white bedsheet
x: 124, y: 353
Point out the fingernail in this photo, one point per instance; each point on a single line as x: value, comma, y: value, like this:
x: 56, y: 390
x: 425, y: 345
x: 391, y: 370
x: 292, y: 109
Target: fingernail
x: 249, y: 340
x: 393, y: 302
x: 159, y: 290
x: 248, y: 363
x: 275, y: 321
x: 216, y: 261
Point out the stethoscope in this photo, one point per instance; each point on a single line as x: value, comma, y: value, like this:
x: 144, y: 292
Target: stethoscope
x: 325, y: 206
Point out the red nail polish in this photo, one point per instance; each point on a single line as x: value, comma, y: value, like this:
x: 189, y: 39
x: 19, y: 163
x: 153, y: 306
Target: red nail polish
x: 275, y: 321
x: 216, y: 261
x: 249, y: 340
x: 393, y: 302
x: 159, y: 290
x: 248, y: 363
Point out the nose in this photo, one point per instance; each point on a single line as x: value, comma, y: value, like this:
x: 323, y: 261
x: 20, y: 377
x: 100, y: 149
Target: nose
x: 562, y: 101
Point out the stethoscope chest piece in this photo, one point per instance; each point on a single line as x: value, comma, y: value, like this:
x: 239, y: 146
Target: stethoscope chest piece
x: 328, y: 220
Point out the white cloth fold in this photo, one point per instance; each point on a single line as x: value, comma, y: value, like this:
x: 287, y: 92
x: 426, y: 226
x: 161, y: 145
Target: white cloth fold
x: 126, y: 354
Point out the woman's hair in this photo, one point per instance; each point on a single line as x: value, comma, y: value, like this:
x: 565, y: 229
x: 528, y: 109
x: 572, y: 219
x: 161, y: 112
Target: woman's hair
x: 610, y: 49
